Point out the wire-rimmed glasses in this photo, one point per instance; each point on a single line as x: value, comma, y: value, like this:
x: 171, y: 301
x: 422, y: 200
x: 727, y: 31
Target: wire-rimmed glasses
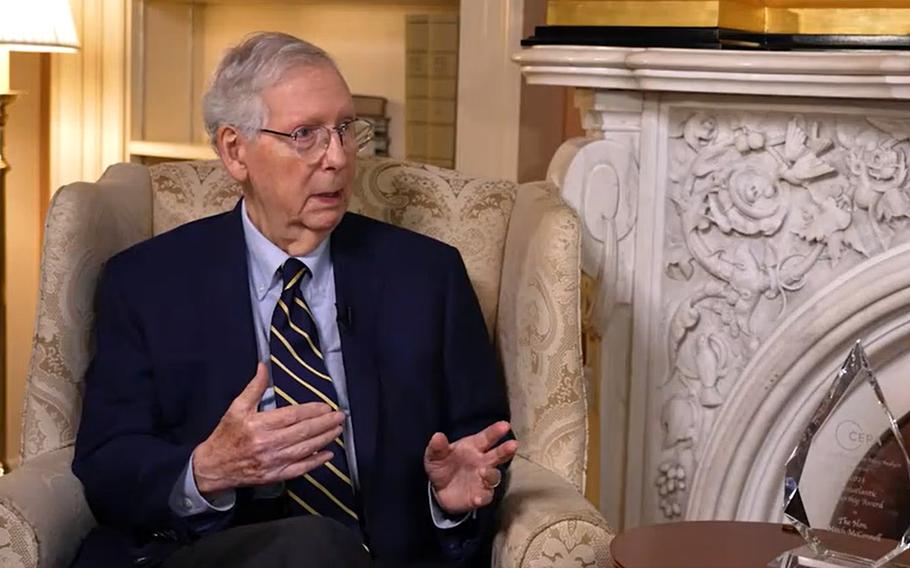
x: 312, y: 142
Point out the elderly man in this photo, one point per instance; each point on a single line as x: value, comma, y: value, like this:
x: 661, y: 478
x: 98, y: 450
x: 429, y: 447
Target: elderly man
x: 279, y: 385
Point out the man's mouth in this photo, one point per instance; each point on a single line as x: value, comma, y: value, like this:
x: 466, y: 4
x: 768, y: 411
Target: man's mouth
x: 328, y: 195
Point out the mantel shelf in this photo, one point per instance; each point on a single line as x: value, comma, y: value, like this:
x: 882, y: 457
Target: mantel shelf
x: 843, y: 74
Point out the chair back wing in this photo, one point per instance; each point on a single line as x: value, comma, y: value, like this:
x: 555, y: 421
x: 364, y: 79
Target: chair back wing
x: 468, y: 213
x: 87, y: 223
x: 538, y: 332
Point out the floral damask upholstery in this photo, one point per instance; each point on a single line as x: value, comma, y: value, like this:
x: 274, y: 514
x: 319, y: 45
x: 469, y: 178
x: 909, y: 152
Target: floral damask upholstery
x: 520, y: 245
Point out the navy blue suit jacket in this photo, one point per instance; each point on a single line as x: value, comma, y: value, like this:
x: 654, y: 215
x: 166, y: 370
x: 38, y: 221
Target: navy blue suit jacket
x: 175, y: 345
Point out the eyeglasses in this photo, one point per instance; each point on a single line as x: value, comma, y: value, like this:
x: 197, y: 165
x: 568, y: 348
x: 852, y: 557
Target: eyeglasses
x: 312, y: 142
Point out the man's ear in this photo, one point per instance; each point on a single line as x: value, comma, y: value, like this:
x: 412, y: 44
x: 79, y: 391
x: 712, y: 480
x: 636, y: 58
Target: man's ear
x: 232, y: 150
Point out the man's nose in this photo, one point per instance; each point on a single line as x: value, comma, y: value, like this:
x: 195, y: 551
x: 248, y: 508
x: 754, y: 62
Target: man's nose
x: 336, y: 156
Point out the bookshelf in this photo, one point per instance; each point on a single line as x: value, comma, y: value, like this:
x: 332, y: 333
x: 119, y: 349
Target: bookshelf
x: 373, y: 109
x: 175, y: 45
x: 103, y: 98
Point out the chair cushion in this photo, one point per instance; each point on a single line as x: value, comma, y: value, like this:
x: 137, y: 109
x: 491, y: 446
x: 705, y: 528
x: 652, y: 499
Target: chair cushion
x: 468, y: 213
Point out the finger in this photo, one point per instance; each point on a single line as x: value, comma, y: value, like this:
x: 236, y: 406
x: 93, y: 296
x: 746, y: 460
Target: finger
x: 482, y: 499
x: 249, y: 398
x: 302, y: 466
x: 299, y: 448
x: 290, y: 415
x: 437, y: 448
x: 486, y: 438
x: 306, y: 429
x: 502, y: 453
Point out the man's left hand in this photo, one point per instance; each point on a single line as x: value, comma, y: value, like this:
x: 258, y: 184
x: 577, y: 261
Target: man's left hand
x: 464, y: 473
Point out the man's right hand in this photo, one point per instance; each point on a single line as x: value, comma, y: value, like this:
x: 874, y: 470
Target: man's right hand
x: 249, y: 447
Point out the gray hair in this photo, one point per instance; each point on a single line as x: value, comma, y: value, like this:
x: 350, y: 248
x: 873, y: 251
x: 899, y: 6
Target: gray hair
x: 260, y: 61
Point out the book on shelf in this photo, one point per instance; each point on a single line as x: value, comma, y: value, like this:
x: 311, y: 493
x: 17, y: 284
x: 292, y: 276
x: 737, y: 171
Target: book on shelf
x: 416, y: 86
x: 431, y: 87
x: 442, y: 88
x: 369, y: 105
x: 373, y: 109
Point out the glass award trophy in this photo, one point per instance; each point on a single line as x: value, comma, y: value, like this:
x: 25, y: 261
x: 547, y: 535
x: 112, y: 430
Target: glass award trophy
x: 847, y: 482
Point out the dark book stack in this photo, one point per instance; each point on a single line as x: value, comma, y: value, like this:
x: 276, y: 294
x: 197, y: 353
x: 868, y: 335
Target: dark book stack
x: 707, y: 38
x: 373, y: 109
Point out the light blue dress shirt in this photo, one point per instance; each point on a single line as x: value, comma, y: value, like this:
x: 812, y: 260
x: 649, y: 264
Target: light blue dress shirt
x: 264, y: 260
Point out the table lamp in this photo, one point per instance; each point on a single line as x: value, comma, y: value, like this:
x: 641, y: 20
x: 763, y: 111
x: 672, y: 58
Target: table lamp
x: 25, y: 25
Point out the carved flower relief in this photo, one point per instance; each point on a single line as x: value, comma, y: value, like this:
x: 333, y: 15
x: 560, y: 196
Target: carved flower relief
x: 824, y: 221
x: 881, y: 169
x: 700, y: 130
x: 748, y: 201
x: 746, y: 140
x: 726, y: 314
x: 883, y: 164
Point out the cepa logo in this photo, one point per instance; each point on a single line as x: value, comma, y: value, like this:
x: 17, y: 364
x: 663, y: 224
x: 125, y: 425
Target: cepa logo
x: 850, y: 436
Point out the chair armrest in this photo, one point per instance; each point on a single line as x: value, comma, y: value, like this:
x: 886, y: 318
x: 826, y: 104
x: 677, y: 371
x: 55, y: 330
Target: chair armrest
x: 544, y: 521
x: 43, y: 513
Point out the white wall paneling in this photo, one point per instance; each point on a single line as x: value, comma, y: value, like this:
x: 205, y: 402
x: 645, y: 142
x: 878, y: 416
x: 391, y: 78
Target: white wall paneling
x: 489, y: 88
x: 89, y: 94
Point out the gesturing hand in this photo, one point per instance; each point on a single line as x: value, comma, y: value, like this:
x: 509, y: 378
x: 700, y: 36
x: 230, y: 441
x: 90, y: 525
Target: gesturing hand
x: 464, y: 473
x: 249, y: 447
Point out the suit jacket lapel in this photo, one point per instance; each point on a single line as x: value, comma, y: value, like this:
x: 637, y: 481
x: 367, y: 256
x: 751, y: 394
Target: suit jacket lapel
x: 357, y: 287
x: 226, y: 311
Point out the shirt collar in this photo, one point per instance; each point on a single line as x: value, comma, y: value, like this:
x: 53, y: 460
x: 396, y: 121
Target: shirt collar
x: 265, y: 258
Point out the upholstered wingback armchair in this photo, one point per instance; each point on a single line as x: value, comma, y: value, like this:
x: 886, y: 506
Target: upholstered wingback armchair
x: 520, y: 244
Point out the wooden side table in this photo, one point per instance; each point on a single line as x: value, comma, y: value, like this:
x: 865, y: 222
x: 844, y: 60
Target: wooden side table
x: 725, y: 544
x: 702, y: 544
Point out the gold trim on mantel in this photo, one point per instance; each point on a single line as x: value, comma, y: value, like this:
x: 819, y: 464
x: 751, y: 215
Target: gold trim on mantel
x: 875, y: 17
x: 688, y: 13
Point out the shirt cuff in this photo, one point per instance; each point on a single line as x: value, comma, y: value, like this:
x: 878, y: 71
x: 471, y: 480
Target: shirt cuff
x: 186, y: 501
x: 441, y: 519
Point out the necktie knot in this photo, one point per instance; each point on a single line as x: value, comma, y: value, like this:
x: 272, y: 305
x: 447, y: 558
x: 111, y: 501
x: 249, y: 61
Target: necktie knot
x: 292, y: 271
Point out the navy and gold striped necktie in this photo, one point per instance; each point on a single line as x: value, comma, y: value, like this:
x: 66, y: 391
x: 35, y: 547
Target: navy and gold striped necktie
x: 299, y: 375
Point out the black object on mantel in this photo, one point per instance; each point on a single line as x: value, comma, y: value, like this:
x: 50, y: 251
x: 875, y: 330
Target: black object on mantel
x: 706, y: 38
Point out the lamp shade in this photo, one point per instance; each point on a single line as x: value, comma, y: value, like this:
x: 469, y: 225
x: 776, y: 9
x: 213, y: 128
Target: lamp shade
x: 37, y: 25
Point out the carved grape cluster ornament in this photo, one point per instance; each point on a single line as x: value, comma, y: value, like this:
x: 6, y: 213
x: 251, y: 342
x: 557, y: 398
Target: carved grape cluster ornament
x: 672, y: 480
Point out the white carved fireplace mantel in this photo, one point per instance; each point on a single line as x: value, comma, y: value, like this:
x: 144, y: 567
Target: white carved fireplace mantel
x: 747, y: 217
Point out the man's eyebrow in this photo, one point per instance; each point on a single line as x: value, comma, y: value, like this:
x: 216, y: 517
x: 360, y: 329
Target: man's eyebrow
x: 344, y: 117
